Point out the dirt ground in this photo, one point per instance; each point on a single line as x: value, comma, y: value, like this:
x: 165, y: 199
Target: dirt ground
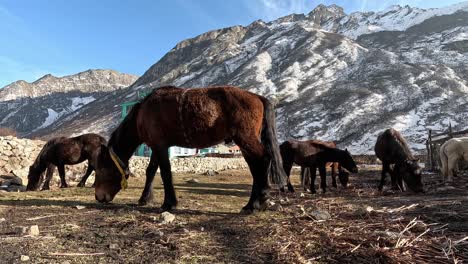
x: 365, y: 226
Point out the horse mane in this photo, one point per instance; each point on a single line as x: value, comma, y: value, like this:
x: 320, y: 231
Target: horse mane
x: 128, y: 121
x: 402, y: 142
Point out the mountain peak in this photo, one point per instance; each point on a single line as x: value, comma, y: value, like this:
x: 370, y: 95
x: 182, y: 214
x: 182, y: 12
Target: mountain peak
x: 87, y: 81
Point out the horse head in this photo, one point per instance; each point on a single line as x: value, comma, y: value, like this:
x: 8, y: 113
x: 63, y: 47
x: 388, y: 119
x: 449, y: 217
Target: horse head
x: 343, y: 176
x: 347, y: 162
x: 111, y: 175
x: 411, y: 172
x: 34, y: 176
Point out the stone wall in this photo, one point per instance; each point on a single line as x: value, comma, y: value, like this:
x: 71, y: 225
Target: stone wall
x: 16, y: 155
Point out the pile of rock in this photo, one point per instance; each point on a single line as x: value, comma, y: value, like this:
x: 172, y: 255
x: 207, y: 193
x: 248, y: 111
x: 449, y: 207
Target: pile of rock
x: 11, y: 183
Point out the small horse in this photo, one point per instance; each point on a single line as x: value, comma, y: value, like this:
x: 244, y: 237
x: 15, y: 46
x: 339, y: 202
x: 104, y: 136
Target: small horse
x: 343, y: 175
x: 314, y: 154
x: 391, y: 148
x: 192, y: 118
x: 451, y: 152
x: 62, y: 151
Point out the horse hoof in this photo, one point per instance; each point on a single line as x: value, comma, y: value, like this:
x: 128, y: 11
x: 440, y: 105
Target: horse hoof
x: 247, y: 210
x: 167, y: 207
x: 63, y: 186
x: 45, y: 189
x: 81, y: 185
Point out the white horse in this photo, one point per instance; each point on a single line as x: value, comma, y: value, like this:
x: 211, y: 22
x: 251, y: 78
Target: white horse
x: 451, y: 152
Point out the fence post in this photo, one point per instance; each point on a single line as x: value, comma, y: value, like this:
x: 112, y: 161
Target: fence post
x: 429, y: 150
x: 450, y: 132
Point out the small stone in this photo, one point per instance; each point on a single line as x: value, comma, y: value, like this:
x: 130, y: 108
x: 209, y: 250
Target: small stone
x: 24, y: 258
x: 2, y: 220
x: 320, y: 215
x: 21, y: 230
x: 211, y: 173
x: 166, y: 218
x: 34, y: 230
x: 113, y: 246
x: 302, y: 195
x: 79, y: 207
x: 193, y: 181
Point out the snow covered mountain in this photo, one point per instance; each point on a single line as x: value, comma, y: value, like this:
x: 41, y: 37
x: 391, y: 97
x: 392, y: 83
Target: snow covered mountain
x: 28, y: 107
x: 333, y: 76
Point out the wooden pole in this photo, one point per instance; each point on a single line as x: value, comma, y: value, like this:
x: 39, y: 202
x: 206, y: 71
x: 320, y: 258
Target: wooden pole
x: 450, y: 130
x: 429, y: 150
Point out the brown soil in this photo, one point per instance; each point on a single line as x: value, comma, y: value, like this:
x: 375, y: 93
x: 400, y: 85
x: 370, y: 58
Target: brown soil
x: 366, y: 226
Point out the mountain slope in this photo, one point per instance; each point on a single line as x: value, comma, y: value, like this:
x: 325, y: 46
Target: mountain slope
x: 326, y: 85
x: 28, y: 107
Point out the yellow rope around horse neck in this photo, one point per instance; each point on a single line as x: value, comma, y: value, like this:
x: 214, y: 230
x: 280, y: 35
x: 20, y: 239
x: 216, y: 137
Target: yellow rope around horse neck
x: 123, y: 182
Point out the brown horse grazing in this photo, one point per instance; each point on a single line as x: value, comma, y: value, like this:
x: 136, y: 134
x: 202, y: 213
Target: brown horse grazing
x: 314, y: 154
x: 62, y: 151
x: 343, y: 175
x: 391, y: 148
x: 193, y: 118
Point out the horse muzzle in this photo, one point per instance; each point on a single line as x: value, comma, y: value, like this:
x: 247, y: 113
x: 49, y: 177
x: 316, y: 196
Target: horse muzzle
x: 103, y: 197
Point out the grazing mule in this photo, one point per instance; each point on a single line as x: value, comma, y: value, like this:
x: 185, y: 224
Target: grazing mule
x: 62, y: 151
x: 314, y: 154
x: 451, y: 152
x: 391, y: 148
x: 192, y: 118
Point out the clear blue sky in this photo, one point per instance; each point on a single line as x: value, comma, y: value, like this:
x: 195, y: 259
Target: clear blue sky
x: 64, y: 37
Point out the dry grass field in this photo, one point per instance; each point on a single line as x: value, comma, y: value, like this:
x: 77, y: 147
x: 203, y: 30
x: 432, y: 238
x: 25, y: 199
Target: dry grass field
x: 365, y: 226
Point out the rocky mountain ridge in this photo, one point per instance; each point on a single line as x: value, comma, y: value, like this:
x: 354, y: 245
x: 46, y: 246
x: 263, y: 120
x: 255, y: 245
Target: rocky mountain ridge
x: 330, y: 79
x: 27, y: 107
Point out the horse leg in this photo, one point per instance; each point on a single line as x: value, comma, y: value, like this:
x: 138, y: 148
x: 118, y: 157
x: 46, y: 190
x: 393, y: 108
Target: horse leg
x: 333, y: 174
x: 254, y: 154
x: 323, y: 177
x: 452, y: 166
x: 147, y: 195
x: 49, y: 174
x: 313, y: 175
x: 89, y: 170
x: 385, y: 169
x: 170, y: 200
x: 290, y: 187
x: 287, y: 165
x: 305, y: 177
x: 61, y: 170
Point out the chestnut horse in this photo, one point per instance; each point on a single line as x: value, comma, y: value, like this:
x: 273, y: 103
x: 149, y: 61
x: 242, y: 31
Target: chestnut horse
x: 62, y: 151
x: 192, y: 118
x: 391, y: 148
x: 314, y: 154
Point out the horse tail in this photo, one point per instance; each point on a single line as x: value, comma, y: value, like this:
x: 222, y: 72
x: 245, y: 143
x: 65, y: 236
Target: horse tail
x: 443, y: 161
x: 270, y: 142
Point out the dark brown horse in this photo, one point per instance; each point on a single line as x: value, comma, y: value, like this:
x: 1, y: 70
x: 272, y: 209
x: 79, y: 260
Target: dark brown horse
x: 62, y: 151
x: 314, y: 154
x: 335, y: 167
x: 391, y: 148
x: 193, y: 118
